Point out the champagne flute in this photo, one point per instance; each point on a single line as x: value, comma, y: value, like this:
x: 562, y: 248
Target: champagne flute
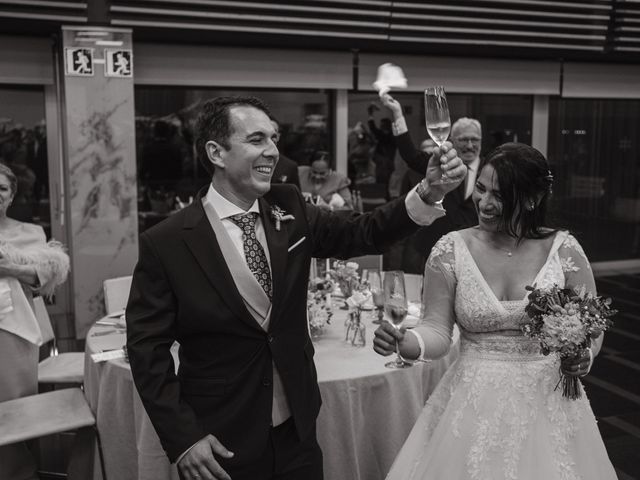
x: 437, y: 120
x: 377, y: 293
x: 395, y: 306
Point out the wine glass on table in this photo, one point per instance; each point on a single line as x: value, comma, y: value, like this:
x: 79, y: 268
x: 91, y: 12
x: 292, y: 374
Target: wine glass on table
x: 377, y: 293
x: 395, y: 306
x: 437, y: 120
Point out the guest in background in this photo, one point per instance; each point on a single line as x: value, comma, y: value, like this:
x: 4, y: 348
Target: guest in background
x: 466, y: 136
x: 286, y: 170
x: 362, y: 169
x: 385, y: 149
x: 28, y: 265
x: 324, y: 186
x: 161, y: 163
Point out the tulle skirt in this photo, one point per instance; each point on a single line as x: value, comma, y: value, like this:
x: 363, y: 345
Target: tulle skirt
x: 497, y: 416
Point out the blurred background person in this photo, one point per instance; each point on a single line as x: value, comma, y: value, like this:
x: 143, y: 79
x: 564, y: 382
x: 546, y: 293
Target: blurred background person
x: 37, y: 161
x: 286, y: 170
x: 28, y: 265
x: 323, y: 186
x: 466, y: 136
x: 361, y: 167
x: 312, y: 137
x: 161, y: 158
x: 385, y: 149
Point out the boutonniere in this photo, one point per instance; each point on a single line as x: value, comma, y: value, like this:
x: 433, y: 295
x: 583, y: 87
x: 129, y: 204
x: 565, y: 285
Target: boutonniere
x: 279, y: 215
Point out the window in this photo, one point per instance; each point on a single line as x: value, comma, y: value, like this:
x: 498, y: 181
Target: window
x: 169, y: 174
x: 23, y: 148
x: 595, y: 155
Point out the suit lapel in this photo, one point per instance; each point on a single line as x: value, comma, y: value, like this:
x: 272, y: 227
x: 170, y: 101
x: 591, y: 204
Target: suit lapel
x: 277, y: 242
x: 200, y: 239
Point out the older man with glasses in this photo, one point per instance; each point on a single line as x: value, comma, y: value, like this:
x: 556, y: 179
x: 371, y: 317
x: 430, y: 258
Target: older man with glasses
x: 466, y: 137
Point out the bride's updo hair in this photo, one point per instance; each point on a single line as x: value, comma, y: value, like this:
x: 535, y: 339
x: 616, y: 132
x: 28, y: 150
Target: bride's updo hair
x: 525, y: 183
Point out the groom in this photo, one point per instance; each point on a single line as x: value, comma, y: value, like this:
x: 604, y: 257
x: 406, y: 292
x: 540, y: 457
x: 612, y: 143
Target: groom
x: 227, y: 277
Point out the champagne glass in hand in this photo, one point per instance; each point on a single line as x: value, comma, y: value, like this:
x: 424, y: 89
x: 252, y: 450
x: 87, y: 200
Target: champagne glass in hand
x: 377, y: 294
x: 438, y: 122
x: 395, y: 306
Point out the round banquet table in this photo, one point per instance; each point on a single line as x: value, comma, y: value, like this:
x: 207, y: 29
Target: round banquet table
x: 367, y: 411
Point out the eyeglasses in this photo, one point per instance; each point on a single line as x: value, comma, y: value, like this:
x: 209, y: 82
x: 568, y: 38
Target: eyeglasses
x: 474, y: 140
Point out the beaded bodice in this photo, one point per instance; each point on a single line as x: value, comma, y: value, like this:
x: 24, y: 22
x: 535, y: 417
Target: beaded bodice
x: 488, y: 325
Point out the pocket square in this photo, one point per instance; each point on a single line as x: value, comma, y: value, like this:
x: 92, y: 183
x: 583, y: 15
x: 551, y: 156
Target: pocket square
x: 296, y: 244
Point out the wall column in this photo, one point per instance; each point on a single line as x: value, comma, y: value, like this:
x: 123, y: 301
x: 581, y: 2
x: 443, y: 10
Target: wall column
x: 341, y: 133
x: 540, y: 123
x: 99, y: 163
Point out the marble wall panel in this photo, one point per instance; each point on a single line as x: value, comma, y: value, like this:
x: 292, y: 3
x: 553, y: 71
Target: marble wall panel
x: 100, y: 170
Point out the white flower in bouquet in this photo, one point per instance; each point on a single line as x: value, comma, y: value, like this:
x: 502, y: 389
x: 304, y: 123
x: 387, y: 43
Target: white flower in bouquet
x: 562, y: 330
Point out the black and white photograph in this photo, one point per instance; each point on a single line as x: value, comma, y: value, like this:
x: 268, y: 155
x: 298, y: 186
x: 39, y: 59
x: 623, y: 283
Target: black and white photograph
x: 320, y: 240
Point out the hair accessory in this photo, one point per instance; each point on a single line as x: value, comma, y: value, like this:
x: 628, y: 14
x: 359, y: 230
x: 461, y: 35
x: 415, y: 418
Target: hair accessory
x: 549, y: 176
x: 549, y: 179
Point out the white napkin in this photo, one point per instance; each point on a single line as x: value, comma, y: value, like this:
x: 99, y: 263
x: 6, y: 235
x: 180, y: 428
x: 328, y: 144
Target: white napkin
x: 336, y: 201
x: 389, y: 76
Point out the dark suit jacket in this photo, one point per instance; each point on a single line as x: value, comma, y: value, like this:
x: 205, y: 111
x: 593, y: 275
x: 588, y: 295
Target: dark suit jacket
x: 461, y: 213
x: 286, y: 171
x: 182, y: 290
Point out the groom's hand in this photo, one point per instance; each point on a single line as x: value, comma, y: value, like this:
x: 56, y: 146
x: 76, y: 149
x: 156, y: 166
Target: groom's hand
x: 199, y: 463
x: 385, y: 338
x: 445, y: 160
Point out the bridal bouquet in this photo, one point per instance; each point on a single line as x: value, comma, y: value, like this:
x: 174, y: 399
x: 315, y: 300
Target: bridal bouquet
x: 565, y: 321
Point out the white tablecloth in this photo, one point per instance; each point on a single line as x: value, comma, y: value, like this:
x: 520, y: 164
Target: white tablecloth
x: 367, y: 412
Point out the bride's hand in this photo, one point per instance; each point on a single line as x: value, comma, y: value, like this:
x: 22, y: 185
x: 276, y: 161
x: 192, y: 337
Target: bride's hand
x: 385, y: 338
x: 577, y: 366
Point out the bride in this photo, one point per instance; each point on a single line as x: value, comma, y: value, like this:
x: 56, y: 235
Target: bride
x: 496, y: 414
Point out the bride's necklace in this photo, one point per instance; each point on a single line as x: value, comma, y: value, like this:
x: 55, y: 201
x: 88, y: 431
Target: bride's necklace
x: 494, y: 245
x: 508, y: 252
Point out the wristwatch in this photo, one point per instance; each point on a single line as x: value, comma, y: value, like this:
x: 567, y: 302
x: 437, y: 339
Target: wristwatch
x: 427, y: 195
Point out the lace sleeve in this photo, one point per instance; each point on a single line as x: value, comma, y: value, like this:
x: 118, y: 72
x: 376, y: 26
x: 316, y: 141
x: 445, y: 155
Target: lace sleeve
x: 575, y: 265
x: 438, y: 297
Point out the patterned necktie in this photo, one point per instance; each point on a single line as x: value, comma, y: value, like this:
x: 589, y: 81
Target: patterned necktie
x: 253, y: 251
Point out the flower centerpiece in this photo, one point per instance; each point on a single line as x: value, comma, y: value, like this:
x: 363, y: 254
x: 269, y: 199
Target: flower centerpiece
x: 355, y: 328
x: 345, y: 275
x: 356, y: 293
x: 565, y: 321
x: 319, y: 305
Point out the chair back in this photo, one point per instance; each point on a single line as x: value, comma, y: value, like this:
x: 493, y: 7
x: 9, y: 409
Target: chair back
x: 42, y: 316
x: 116, y: 293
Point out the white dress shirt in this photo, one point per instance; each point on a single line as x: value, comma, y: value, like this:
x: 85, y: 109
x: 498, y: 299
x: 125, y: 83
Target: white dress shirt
x: 470, y: 180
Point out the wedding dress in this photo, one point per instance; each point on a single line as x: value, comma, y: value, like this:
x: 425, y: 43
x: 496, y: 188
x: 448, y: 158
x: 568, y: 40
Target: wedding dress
x: 496, y: 414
